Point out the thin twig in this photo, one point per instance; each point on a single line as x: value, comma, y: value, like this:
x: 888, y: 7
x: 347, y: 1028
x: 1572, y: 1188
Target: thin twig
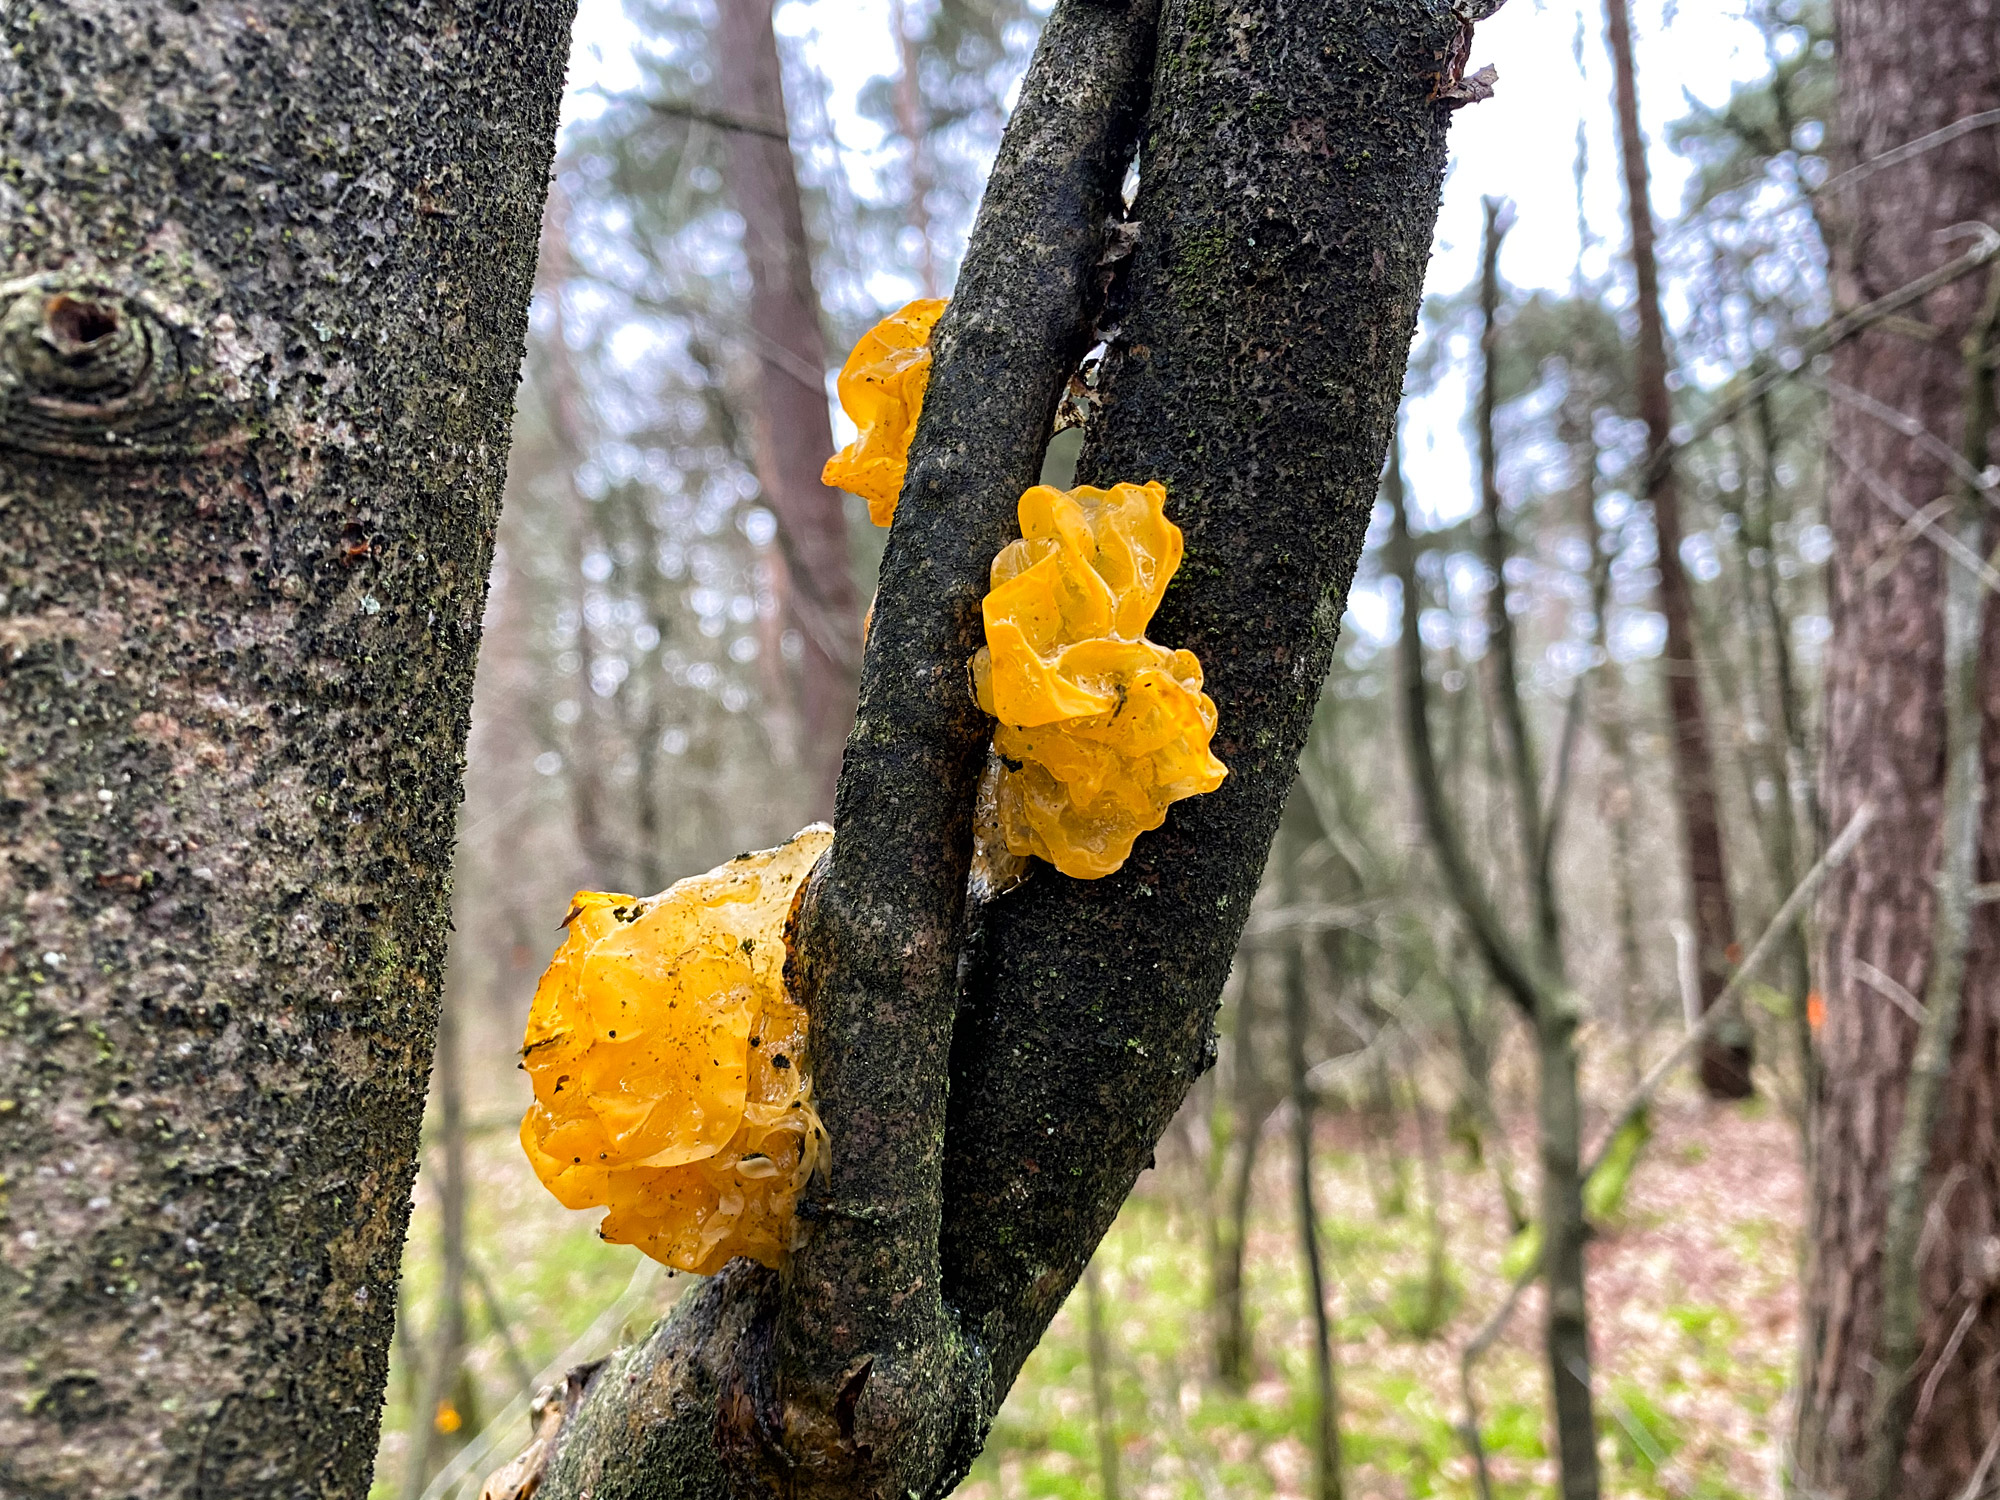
x: 1753, y: 962
x: 1890, y: 990
x: 517, y: 1364
x: 721, y: 119
x: 1944, y: 1359
x: 1978, y: 481
x: 465, y: 1464
x: 1896, y: 155
x: 1892, y: 555
x: 1946, y: 543
x: 1835, y: 331
x: 1976, y: 1486
x: 1313, y: 917
x: 1687, y: 972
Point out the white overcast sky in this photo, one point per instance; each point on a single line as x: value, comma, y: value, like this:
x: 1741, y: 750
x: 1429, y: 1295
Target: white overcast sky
x: 1520, y: 145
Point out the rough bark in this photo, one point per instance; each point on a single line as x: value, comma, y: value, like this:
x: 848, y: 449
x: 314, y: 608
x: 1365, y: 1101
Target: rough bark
x: 264, y: 272
x: 794, y: 430
x: 1264, y: 334
x: 1288, y: 189
x: 1906, y: 69
x: 1725, y: 1061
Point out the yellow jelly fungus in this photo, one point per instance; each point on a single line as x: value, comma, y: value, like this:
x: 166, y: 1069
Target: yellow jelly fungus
x: 668, y: 1064
x: 882, y: 391
x: 1099, y: 729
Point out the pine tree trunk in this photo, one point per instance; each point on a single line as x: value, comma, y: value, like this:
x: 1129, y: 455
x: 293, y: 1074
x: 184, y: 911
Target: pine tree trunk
x: 793, y: 431
x: 264, y: 274
x: 1906, y: 69
x: 1726, y: 1057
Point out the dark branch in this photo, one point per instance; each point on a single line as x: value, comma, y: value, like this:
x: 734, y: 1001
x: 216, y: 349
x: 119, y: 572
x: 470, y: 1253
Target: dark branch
x: 721, y: 119
x: 1511, y: 968
x: 1087, y: 1006
x: 857, y: 1378
x: 1261, y: 354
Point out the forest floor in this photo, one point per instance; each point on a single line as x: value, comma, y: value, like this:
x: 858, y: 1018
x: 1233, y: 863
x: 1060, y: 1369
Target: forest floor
x: 1693, y: 1313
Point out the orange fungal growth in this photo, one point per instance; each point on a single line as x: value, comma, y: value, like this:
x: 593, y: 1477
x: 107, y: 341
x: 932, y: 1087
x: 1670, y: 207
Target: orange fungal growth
x: 1099, y: 729
x: 668, y: 1064
x: 882, y: 391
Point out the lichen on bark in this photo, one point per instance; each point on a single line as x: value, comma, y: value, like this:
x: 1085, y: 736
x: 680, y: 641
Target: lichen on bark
x: 265, y: 270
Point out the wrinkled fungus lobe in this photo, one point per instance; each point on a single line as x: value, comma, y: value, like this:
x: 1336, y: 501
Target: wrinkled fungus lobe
x: 668, y: 1064
x: 1099, y: 729
x: 882, y: 391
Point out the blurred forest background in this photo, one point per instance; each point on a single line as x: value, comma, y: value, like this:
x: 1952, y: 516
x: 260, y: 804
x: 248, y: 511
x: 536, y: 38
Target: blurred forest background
x: 645, y: 708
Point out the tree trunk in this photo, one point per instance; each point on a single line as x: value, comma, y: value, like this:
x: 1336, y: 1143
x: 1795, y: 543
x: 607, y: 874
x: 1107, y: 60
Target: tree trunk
x: 911, y: 126
x: 1566, y: 1335
x: 1326, y: 1398
x: 269, y: 281
x: 1227, y: 1306
x: 1545, y: 1005
x: 1103, y: 1408
x: 1726, y: 1058
x: 1606, y: 685
x: 1551, y: 1008
x: 1905, y: 70
x: 955, y: 1221
x: 1793, y: 839
x: 1537, y: 871
x: 603, y: 859
x: 794, y: 430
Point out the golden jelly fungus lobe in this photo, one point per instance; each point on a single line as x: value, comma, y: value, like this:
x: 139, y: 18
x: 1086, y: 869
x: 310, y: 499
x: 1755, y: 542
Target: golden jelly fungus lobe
x: 882, y: 391
x: 668, y: 1064
x: 1099, y: 730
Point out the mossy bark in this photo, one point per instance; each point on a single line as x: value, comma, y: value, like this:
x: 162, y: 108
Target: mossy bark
x: 1291, y: 165
x: 264, y: 271
x: 1289, y: 181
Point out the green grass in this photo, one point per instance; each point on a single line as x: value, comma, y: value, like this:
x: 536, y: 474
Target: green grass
x: 1179, y: 1432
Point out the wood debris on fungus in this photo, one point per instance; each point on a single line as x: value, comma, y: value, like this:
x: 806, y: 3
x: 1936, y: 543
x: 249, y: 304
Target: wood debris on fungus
x: 1099, y: 730
x: 668, y: 1064
x: 882, y: 391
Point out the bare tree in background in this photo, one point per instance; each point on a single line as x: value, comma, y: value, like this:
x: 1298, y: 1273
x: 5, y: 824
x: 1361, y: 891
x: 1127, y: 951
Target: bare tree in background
x: 910, y: 123
x: 1529, y: 974
x: 794, y: 431
x: 1726, y: 1059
